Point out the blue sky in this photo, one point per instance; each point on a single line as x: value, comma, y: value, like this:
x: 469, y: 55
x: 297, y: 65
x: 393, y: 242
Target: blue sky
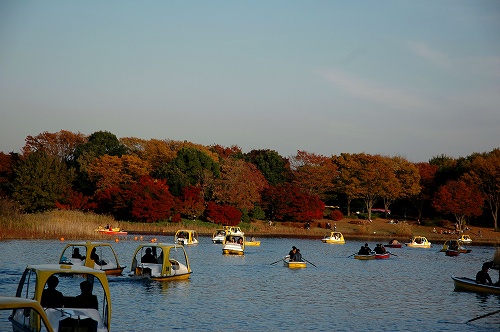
x: 411, y: 78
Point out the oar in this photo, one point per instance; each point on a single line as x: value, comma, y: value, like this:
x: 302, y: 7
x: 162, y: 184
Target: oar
x: 309, y: 262
x: 351, y: 255
x: 277, y: 261
x: 486, y: 315
x: 393, y: 254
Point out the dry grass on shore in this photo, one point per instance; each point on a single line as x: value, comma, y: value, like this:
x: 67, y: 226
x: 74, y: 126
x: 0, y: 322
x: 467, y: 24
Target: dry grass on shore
x: 76, y: 225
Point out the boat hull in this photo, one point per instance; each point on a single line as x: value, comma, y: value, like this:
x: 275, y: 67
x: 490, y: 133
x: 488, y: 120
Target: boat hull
x: 395, y: 245
x: 232, y: 252
x: 470, y: 285
x: 364, y: 257
x: 452, y: 253
x: 333, y: 241
x: 252, y: 243
x: 108, y: 232
x: 382, y: 256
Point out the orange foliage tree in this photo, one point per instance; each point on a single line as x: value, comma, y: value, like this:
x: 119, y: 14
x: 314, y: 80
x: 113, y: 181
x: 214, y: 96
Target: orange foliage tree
x: 61, y: 144
x: 112, y: 171
x: 460, y: 199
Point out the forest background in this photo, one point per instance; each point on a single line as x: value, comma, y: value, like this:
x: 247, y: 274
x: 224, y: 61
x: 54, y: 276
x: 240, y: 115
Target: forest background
x: 168, y: 181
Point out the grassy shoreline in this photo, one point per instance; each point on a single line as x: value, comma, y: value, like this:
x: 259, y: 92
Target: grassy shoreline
x: 76, y: 225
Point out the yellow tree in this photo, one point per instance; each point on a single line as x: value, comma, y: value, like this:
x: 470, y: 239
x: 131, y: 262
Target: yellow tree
x: 346, y: 181
x: 61, y: 144
x: 112, y: 171
x: 313, y: 173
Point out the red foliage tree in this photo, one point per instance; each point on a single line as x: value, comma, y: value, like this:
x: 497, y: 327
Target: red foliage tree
x: 336, y: 215
x: 223, y: 214
x: 191, y: 203
x: 150, y: 200
x: 287, y: 202
x: 74, y: 200
x: 460, y: 199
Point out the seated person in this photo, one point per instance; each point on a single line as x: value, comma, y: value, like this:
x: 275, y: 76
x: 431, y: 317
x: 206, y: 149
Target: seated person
x: 51, y: 297
x: 378, y: 249
x: 95, y: 257
x: 148, y: 257
x: 86, y: 299
x: 298, y: 256
x: 76, y: 254
x: 482, y: 277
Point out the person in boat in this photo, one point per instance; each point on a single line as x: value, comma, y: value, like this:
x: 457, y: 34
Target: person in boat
x: 76, y: 254
x: 384, y: 251
x: 394, y: 241
x: 86, y: 299
x: 482, y: 277
x: 292, y: 253
x: 95, y: 257
x: 298, y: 256
x: 148, y: 257
x: 240, y: 241
x: 51, y: 297
x: 362, y: 251
x: 378, y: 249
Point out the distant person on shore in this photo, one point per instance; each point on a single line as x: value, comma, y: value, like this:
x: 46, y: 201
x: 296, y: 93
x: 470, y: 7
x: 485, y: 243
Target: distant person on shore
x: 482, y: 277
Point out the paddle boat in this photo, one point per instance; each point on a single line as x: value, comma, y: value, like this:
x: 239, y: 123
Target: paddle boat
x: 419, y: 242
x: 96, y: 255
x: 160, y: 261
x: 452, y: 253
x: 293, y: 264
x: 364, y: 257
x: 186, y: 237
x: 470, y: 285
x: 219, y: 236
x: 234, y: 245
x: 233, y: 230
x: 111, y: 231
x: 334, y: 238
x: 393, y: 244
x: 68, y: 311
x: 466, y: 239
x: 455, y: 245
x: 26, y: 314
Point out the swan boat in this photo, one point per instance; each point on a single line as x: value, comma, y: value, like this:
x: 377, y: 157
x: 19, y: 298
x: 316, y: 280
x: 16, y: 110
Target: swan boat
x: 80, y: 254
x: 168, y: 262
x: 234, y: 245
x: 186, y: 237
x: 419, y: 242
x: 219, y: 236
x: 455, y: 245
x: 334, y: 238
x: 68, y: 313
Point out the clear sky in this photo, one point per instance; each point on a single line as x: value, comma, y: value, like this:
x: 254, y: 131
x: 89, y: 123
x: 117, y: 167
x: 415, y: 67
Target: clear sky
x: 411, y: 78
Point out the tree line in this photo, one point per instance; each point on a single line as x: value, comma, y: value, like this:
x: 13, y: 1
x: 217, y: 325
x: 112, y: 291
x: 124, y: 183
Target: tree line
x: 155, y: 180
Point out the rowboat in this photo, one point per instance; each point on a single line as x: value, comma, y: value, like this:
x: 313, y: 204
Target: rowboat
x: 419, y: 242
x: 219, y: 236
x: 187, y: 237
x: 234, y: 245
x: 30, y: 309
x: 364, y: 257
x: 293, y: 264
x: 393, y: 244
x: 161, y: 262
x: 383, y: 256
x: 470, y: 285
x: 452, y: 253
x: 68, y: 311
x: 96, y: 255
x: 111, y: 231
x: 456, y: 245
x: 252, y: 243
x: 334, y: 238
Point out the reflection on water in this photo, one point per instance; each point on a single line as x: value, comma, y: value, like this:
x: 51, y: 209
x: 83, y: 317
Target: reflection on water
x: 410, y: 291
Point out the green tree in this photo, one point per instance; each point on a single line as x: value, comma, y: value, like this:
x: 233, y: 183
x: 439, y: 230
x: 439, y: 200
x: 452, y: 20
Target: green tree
x: 40, y: 181
x: 274, y: 167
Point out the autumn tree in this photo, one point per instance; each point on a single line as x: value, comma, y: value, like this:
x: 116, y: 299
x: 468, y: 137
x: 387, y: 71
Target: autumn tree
x: 485, y: 173
x: 61, y: 144
x: 459, y: 198
x: 150, y: 200
x: 40, y: 181
x: 427, y: 184
x: 155, y: 152
x: 401, y: 180
x: 226, y: 152
x: 313, y: 173
x: 346, y: 181
x: 274, y: 167
x: 223, y: 214
x: 112, y: 171
x: 7, y: 163
x: 191, y: 202
x: 239, y: 185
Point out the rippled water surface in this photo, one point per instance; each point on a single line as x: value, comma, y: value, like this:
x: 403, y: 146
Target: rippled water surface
x: 410, y: 291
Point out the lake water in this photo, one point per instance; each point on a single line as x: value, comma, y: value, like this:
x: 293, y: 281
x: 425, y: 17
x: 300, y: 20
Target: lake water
x: 412, y: 291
